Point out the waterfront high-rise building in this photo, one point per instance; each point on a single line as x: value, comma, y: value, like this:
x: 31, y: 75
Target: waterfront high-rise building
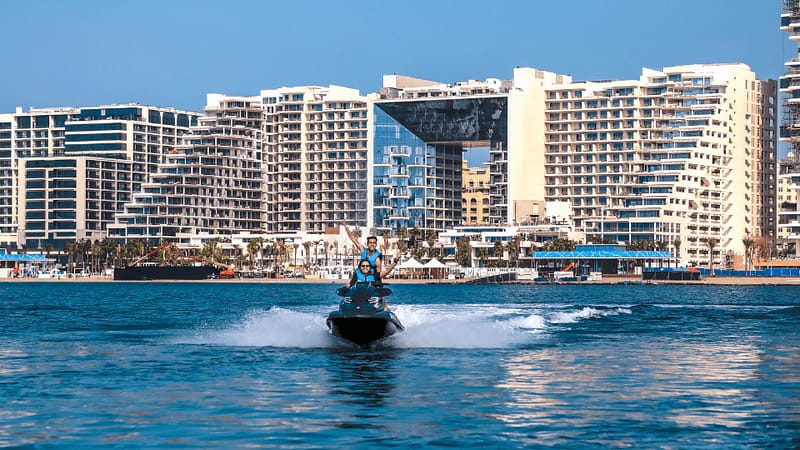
x: 788, y: 232
x: 684, y: 156
x: 315, y: 153
x: 311, y: 145
x: 421, y: 129
x: 789, y: 178
x: 210, y: 182
x: 475, y: 195
x: 75, y: 168
x: 37, y: 133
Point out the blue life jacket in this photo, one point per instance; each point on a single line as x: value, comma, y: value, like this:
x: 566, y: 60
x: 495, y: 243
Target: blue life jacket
x: 361, y: 277
x: 373, y: 260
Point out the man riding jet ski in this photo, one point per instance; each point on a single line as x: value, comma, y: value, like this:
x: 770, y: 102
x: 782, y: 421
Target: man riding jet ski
x: 363, y: 317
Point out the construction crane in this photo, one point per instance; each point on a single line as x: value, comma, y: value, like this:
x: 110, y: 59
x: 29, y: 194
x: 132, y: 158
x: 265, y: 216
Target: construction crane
x: 151, y: 253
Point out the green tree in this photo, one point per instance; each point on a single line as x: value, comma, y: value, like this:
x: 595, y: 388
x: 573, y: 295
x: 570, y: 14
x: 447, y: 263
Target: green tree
x: 748, y: 251
x: 307, y: 248
x: 711, y: 243
x: 70, y: 250
x: 483, y: 255
x: 463, y: 252
x: 402, y: 236
x: 254, y: 247
x: 497, y: 251
x: 559, y: 245
x: 677, y: 244
x: 512, y: 247
x: 211, y: 251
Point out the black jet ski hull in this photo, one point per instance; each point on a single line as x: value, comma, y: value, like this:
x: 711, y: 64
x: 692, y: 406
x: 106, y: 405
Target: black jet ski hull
x: 363, y: 317
x: 363, y: 331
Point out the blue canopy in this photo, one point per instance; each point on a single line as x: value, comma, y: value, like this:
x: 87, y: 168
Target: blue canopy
x: 603, y: 254
x: 22, y: 257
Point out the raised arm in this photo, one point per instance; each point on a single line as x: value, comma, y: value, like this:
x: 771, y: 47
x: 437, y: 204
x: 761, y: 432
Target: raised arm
x: 389, y: 269
x: 352, y: 236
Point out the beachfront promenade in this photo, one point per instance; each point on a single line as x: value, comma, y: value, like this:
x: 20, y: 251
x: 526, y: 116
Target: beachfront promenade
x: 607, y: 279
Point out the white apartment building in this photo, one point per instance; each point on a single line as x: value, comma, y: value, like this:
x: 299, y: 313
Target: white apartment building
x: 37, y: 133
x: 680, y: 156
x: 211, y: 182
x: 67, y: 171
x: 789, y: 177
x: 788, y: 214
x: 315, y: 156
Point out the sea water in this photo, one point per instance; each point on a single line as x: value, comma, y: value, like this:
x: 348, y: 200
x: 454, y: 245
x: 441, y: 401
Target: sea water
x: 239, y: 364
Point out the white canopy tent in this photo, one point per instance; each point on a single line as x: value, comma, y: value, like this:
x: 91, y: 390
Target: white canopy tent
x: 410, y: 266
x: 435, y: 264
x: 436, y: 268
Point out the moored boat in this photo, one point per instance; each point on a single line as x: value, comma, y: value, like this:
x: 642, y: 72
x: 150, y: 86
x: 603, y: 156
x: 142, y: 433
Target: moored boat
x: 147, y: 272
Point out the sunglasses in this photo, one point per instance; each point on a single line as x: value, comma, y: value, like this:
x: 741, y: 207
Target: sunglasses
x: 365, y: 265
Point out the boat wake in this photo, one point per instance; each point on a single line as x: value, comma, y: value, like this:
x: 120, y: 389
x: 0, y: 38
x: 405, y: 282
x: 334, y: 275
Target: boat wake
x: 276, y: 327
x: 428, y: 326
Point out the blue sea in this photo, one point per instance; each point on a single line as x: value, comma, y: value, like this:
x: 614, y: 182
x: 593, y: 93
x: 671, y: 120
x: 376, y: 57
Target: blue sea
x: 220, y: 364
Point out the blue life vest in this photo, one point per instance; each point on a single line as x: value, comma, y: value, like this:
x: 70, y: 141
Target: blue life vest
x: 361, y: 277
x: 373, y: 260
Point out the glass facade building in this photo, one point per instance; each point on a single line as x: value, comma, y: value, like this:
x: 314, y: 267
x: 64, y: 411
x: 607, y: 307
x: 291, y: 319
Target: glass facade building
x: 418, y: 151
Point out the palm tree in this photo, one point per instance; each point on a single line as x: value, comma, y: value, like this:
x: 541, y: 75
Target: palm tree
x: 559, y: 245
x: 512, y: 247
x: 69, y: 249
x: 711, y: 243
x: 295, y: 247
x: 498, y: 252
x: 236, y: 255
x: 677, y: 244
x: 211, y: 251
x: 270, y: 245
x: 132, y: 249
x: 307, y: 248
x: 416, y: 233
x: 748, y: 251
x: 82, y: 249
x: 463, y: 252
x: 430, y: 238
x: 316, y: 245
x: 483, y: 254
x: 96, y: 255
x: 402, y: 234
x: 253, y: 248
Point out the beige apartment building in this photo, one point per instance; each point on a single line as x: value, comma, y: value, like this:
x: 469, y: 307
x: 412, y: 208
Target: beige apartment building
x: 788, y: 214
x: 789, y: 177
x: 315, y: 156
x: 475, y: 195
x: 211, y: 182
x: 288, y: 160
x: 680, y: 156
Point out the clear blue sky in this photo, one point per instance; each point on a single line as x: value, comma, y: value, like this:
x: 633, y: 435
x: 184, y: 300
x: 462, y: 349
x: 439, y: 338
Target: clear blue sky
x: 174, y: 52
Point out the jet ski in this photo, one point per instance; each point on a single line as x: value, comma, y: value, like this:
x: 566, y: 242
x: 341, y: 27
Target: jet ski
x: 363, y: 317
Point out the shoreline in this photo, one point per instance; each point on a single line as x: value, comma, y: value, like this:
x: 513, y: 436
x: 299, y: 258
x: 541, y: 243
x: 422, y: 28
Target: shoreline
x: 607, y: 280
